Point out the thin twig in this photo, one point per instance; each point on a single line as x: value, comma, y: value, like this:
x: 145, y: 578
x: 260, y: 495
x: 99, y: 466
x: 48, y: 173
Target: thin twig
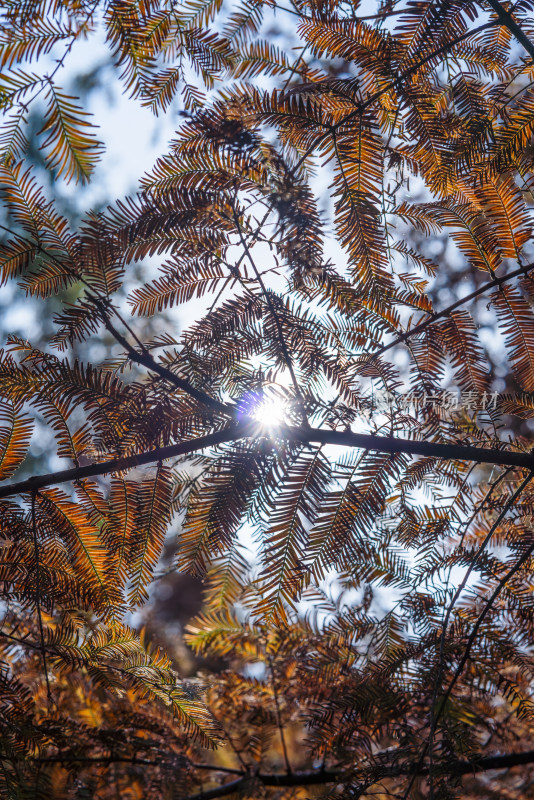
x: 364, y: 105
x: 445, y: 312
x: 278, y: 324
x: 508, y: 505
x: 500, y: 586
x: 279, y: 717
x: 145, y: 358
x: 151, y: 364
x: 38, y: 596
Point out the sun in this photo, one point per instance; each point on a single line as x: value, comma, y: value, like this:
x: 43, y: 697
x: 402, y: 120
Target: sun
x: 266, y: 409
x: 270, y: 412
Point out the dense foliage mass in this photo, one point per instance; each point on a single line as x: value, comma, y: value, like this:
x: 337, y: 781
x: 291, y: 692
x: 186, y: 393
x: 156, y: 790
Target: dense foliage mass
x: 333, y: 433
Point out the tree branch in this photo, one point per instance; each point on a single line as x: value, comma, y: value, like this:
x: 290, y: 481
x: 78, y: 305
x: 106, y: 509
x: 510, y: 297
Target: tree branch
x: 144, y: 358
x: 151, y: 364
x: 251, y: 429
x: 126, y: 462
x: 506, y: 19
x: 305, y: 778
x: 457, y: 768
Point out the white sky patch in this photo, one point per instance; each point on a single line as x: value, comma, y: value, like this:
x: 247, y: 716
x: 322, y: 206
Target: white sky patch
x: 21, y: 319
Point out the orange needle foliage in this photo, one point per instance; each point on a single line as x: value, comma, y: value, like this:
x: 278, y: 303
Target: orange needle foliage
x: 367, y: 627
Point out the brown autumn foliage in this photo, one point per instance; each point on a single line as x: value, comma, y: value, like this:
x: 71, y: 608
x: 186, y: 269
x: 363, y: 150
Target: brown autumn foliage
x: 328, y: 446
